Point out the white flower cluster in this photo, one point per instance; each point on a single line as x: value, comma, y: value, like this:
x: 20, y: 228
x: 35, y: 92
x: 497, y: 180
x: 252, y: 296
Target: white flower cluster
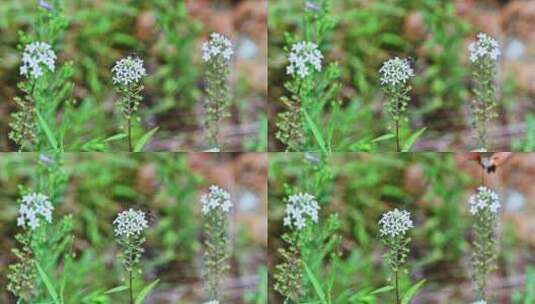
x: 218, y: 45
x: 34, y: 206
x: 298, y: 207
x: 396, y: 71
x: 212, y: 302
x: 128, y: 71
x: 483, y: 199
x: 130, y: 222
x: 304, y: 57
x: 394, y: 223
x: 35, y: 56
x: 485, y: 46
x: 215, y: 198
x: 480, y: 302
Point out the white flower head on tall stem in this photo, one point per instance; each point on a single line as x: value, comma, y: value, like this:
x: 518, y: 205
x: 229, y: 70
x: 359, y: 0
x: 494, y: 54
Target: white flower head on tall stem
x: 484, y: 199
x: 395, y: 223
x: 34, y: 207
x: 218, y: 45
x: 299, y: 207
x: 216, y: 198
x: 304, y: 57
x: 128, y: 71
x: 37, y: 55
x: 396, y: 71
x: 484, y: 47
x: 480, y: 302
x: 130, y: 223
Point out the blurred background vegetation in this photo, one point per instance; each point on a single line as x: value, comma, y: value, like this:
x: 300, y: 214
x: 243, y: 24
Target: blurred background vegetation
x: 435, y: 35
x: 434, y: 187
x: 169, y: 185
x: 167, y: 34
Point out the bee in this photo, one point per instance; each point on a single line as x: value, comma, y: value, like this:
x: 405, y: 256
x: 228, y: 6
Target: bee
x: 151, y: 217
x: 490, y: 161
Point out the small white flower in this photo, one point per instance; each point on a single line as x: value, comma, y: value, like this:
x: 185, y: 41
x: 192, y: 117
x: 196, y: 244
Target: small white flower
x: 218, y: 45
x: 130, y: 222
x: 304, y: 57
x: 484, y: 199
x: 396, y: 71
x: 37, y: 55
x: 215, y: 198
x: 33, y: 207
x: 480, y: 302
x: 212, y: 302
x: 128, y: 71
x: 395, y: 223
x: 299, y: 207
x: 484, y: 47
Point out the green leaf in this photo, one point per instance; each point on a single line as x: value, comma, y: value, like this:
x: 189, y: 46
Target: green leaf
x: 49, y: 286
x: 49, y: 135
x: 143, y: 294
x: 384, y: 137
x: 116, y: 289
x: 116, y: 137
x: 315, y: 132
x: 410, y: 142
x: 315, y: 284
x: 407, y: 297
x: 382, y: 290
x: 144, y: 140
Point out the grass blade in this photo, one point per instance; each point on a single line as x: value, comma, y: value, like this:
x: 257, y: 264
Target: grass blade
x: 48, y: 284
x: 315, y: 284
x: 316, y: 132
x: 143, y: 294
x: 407, y: 297
x: 410, y: 142
x: 49, y: 135
x: 144, y: 140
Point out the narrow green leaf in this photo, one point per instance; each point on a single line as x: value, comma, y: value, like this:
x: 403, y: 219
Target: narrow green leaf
x: 116, y: 289
x: 315, y: 132
x: 407, y: 297
x: 384, y: 137
x: 144, y: 140
x: 49, y: 135
x: 145, y: 292
x: 315, y: 284
x: 382, y: 290
x: 410, y: 142
x: 49, y: 286
x: 116, y: 137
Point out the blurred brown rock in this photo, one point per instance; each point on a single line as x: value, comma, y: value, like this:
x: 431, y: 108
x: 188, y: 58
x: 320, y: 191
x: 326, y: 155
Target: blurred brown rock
x: 518, y: 19
x: 414, y: 27
x: 145, y: 26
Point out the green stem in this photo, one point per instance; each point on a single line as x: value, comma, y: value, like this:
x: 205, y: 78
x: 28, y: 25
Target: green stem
x: 398, y: 301
x: 130, y: 135
x: 131, y: 289
x: 398, y: 149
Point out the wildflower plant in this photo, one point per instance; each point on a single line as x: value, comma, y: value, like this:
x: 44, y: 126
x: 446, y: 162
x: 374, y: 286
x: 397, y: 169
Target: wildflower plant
x: 216, y: 206
x: 46, y: 87
x: 394, y: 227
x: 395, y: 76
x: 312, y: 85
x: 127, y: 78
x: 217, y: 54
x: 484, y: 206
x: 129, y: 228
x: 484, y: 54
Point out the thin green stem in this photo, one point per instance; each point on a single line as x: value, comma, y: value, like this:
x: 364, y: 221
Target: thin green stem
x: 396, y: 279
x: 398, y: 149
x: 130, y: 134
x: 131, y: 288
